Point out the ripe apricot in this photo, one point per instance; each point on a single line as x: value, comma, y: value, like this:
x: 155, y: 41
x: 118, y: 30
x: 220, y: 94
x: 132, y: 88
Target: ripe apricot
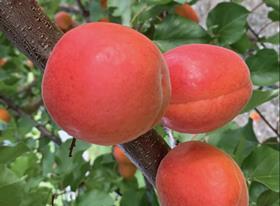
x: 2, y: 62
x: 105, y: 83
x: 103, y: 4
x: 127, y: 171
x: 120, y: 156
x: 4, y: 115
x: 104, y: 20
x: 185, y: 10
x: 210, y: 86
x: 198, y: 174
x: 255, y: 116
x: 64, y: 21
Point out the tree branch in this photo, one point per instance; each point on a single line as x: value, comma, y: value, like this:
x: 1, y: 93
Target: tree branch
x: 267, y: 122
x: 256, y: 109
x: 25, y: 25
x: 43, y: 130
x: 146, y: 152
x: 83, y: 10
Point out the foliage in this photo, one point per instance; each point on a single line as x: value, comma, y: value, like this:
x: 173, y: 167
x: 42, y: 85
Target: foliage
x: 36, y: 171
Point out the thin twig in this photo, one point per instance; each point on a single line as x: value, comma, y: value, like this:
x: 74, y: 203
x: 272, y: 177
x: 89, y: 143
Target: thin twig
x: 71, y: 148
x: 43, y: 130
x: 83, y: 10
x: 267, y: 122
x: 55, y: 195
x: 256, y: 109
x: 257, y: 6
x: 256, y: 35
x: 264, y: 27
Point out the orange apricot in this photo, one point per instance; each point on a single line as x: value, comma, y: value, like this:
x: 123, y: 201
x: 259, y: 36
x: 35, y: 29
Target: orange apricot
x: 198, y: 174
x: 185, y: 10
x: 210, y: 86
x: 106, y: 83
x: 4, y: 115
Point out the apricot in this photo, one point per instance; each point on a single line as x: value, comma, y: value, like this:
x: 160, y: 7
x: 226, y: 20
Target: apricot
x: 4, y: 115
x: 2, y: 62
x: 64, y: 21
x: 103, y: 4
x: 104, y: 20
x: 255, y: 116
x: 186, y: 11
x: 105, y: 83
x: 120, y: 156
x: 197, y: 174
x: 210, y: 86
x: 127, y: 171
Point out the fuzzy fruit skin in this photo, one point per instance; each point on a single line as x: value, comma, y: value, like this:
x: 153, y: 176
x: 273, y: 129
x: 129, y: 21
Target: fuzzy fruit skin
x: 120, y: 156
x: 187, y: 11
x: 4, y: 115
x: 105, y: 83
x: 210, y: 86
x: 64, y: 21
x: 198, y: 174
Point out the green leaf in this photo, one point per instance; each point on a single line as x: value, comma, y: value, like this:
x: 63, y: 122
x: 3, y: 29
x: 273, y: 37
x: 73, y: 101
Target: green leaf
x: 239, y: 143
x: 262, y: 166
x: 103, y: 175
x: 273, y: 39
x: 25, y: 124
x: 274, y: 15
x: 122, y: 9
x: 269, y: 198
x: 133, y: 197
x: 259, y: 97
x: 158, y: 2
x: 243, y: 44
x: 95, y: 198
x: 247, y: 142
x: 11, y: 188
x: 227, y: 22
x: 272, y: 3
x: 264, y: 67
x: 24, y: 164
x: 40, y: 197
x: 176, y: 30
x: 71, y: 169
x: 255, y: 190
x: 10, y: 153
x: 273, y: 143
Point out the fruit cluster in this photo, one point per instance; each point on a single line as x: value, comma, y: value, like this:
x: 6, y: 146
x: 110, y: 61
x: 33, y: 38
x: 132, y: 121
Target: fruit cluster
x: 108, y: 84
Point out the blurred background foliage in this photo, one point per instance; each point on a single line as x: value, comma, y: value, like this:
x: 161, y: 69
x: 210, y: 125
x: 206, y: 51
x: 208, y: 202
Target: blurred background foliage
x: 35, y: 167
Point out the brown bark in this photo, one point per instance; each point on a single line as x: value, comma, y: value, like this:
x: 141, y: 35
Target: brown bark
x: 30, y: 30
